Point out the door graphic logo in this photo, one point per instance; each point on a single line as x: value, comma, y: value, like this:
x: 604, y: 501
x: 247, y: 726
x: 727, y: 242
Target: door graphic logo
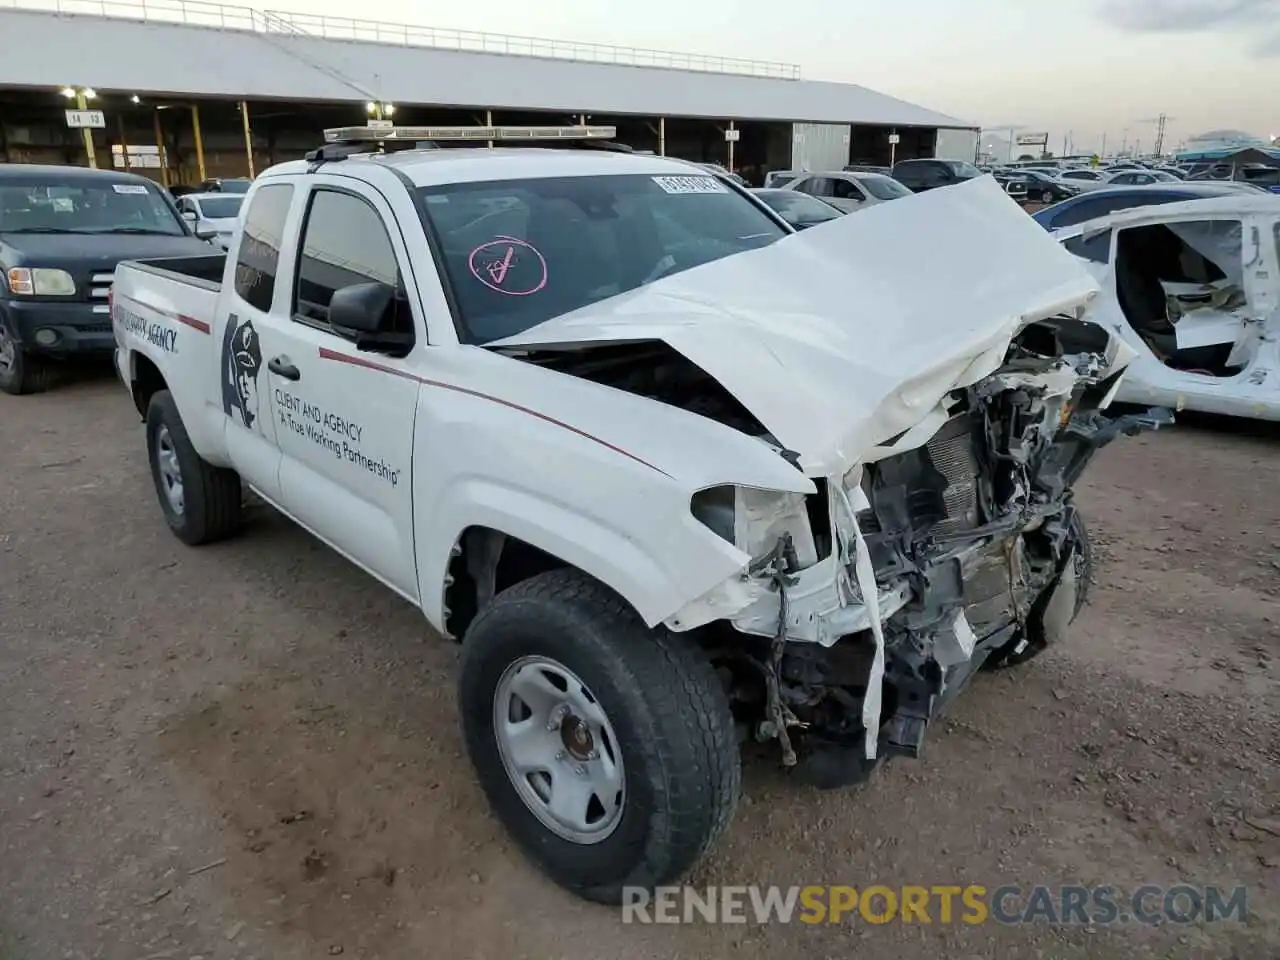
x: 241, y: 361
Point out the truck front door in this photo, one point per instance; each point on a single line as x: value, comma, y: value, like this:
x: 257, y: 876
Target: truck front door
x: 344, y: 416
x: 252, y: 306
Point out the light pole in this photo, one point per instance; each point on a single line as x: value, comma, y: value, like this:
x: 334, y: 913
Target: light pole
x: 378, y: 110
x: 82, y: 96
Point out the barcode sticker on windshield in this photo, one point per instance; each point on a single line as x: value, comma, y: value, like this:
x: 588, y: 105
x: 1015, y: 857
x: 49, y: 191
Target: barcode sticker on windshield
x: 690, y: 184
x: 129, y: 188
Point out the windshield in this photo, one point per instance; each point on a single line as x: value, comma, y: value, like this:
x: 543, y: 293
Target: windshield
x: 235, y: 186
x: 883, y: 188
x: 796, y: 207
x: 220, y: 208
x: 519, y: 252
x: 92, y: 206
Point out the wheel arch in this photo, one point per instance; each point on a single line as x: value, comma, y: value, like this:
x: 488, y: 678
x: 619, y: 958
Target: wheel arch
x: 145, y: 381
x: 484, y: 561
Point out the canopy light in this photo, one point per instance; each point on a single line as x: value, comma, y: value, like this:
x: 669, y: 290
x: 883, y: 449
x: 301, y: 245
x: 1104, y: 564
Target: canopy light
x: 376, y: 134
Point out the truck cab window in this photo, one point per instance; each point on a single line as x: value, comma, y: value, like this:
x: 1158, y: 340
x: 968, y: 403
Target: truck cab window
x: 259, y: 258
x: 343, y: 243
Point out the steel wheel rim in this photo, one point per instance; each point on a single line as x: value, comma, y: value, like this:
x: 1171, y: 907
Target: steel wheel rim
x: 8, y: 351
x: 559, y: 750
x: 170, y: 470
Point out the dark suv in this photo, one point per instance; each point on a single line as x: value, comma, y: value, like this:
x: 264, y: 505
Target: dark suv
x: 62, y: 232
x: 920, y: 175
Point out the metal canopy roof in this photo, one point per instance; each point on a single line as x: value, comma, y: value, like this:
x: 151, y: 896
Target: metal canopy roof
x: 236, y: 52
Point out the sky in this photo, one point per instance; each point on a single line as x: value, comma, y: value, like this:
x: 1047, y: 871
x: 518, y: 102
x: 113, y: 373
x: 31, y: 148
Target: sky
x: 1076, y: 69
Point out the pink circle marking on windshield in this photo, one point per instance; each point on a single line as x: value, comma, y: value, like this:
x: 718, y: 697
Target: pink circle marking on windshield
x: 509, y: 266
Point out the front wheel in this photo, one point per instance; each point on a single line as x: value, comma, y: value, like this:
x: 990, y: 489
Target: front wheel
x: 21, y: 372
x: 605, y: 748
x: 1046, y: 197
x: 201, y: 502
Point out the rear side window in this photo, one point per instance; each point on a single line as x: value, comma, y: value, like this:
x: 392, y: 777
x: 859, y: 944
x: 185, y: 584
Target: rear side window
x: 844, y: 190
x: 258, y: 259
x: 1096, y: 247
x: 344, y: 242
x: 818, y: 187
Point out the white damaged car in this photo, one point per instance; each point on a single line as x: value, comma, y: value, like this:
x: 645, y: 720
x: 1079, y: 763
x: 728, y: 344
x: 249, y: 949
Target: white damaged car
x: 674, y: 475
x: 1194, y: 290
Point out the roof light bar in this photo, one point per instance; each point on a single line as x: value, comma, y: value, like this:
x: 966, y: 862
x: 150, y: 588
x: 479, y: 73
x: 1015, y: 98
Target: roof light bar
x: 377, y: 134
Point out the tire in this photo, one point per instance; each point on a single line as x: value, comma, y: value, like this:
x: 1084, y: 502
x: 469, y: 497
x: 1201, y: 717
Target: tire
x: 672, y: 734
x: 1009, y: 656
x: 1046, y: 197
x: 20, y: 372
x: 208, y: 503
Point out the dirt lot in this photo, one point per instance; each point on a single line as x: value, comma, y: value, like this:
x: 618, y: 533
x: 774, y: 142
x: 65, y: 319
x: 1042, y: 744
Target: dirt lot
x: 251, y: 750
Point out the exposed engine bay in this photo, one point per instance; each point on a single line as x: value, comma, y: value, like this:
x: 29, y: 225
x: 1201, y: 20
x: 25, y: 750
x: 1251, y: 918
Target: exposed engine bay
x: 891, y: 586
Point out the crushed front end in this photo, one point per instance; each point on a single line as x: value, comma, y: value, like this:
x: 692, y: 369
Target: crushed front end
x: 930, y: 559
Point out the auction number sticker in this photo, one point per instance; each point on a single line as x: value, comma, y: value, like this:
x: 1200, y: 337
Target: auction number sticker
x: 690, y: 184
x: 135, y: 188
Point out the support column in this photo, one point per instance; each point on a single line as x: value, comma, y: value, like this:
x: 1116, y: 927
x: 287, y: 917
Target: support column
x: 662, y: 136
x: 248, y: 136
x: 195, y: 129
x: 163, y: 154
x: 124, y: 141
x: 732, y: 144
x: 488, y: 122
x: 90, y: 154
x: 893, y: 145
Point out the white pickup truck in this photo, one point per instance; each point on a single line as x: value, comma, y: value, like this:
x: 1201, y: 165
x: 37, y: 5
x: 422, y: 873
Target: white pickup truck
x: 673, y: 474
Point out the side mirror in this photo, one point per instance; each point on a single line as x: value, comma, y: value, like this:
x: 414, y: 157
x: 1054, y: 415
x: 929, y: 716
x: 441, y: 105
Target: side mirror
x: 189, y: 216
x: 362, y: 307
x: 205, y: 230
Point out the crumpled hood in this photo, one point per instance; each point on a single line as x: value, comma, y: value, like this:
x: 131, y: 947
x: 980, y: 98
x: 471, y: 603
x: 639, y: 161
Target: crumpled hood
x: 844, y: 335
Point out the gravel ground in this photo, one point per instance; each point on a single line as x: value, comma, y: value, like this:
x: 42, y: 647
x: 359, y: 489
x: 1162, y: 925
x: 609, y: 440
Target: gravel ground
x: 251, y: 750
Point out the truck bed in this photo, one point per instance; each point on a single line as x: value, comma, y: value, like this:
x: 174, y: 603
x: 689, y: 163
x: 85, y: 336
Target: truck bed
x: 201, y: 271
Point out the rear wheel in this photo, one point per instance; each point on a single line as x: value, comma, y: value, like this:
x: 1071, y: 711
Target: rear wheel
x: 201, y: 502
x: 606, y: 749
x: 1046, y: 197
x: 21, y: 372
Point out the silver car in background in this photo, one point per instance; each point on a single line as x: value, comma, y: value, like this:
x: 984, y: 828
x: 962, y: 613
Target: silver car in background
x: 212, y: 214
x: 849, y: 190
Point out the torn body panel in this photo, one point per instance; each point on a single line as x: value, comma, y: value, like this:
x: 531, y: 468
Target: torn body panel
x: 959, y: 550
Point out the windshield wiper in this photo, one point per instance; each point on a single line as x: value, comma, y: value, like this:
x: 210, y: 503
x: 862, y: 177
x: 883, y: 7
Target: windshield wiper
x: 140, y: 230
x: 40, y: 230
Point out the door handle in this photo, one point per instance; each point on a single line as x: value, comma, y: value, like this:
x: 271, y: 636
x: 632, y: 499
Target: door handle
x: 281, y: 367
